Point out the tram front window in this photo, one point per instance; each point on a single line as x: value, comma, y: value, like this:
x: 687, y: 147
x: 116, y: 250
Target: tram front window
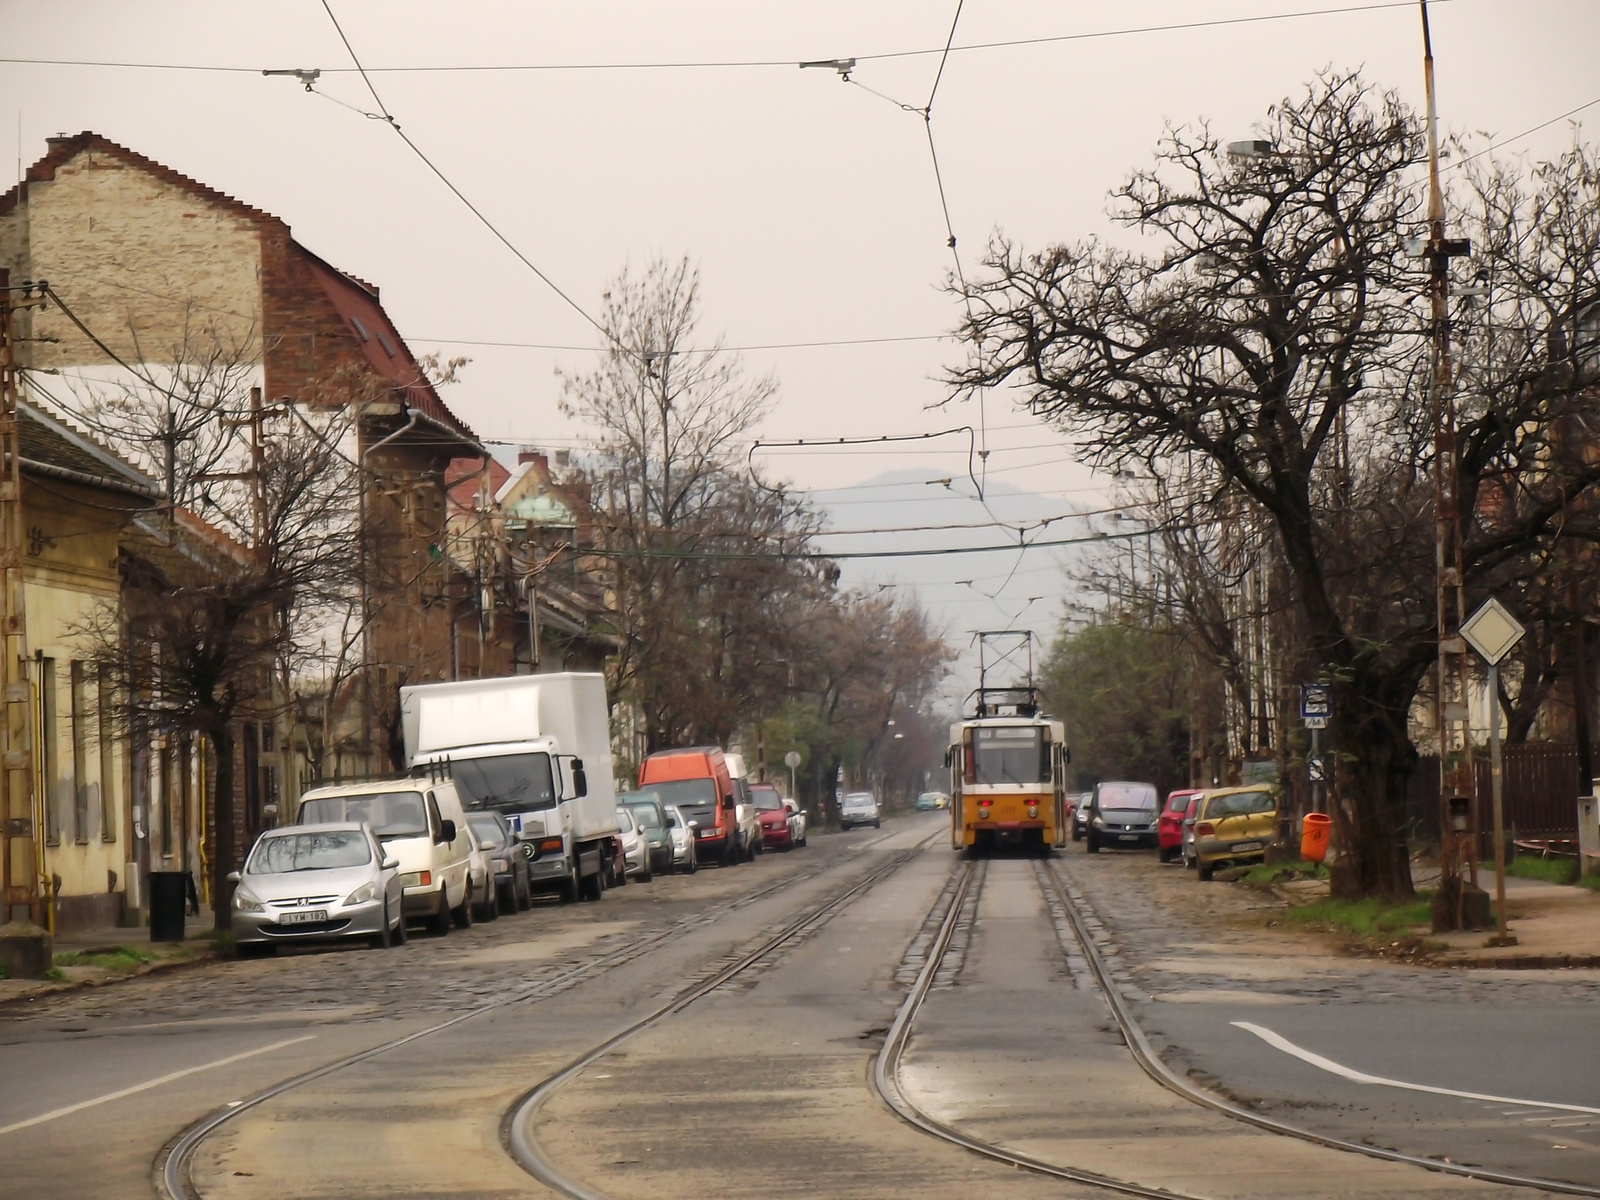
x: 1010, y: 756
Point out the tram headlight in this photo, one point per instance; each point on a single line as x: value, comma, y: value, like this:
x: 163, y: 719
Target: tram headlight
x: 1033, y: 810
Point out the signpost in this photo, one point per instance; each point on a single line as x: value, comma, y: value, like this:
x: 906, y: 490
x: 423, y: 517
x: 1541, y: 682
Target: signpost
x: 792, y: 760
x: 1492, y: 632
x: 1316, y: 706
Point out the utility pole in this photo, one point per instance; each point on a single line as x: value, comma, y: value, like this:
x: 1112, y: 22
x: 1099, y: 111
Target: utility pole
x: 25, y: 947
x: 1457, y: 845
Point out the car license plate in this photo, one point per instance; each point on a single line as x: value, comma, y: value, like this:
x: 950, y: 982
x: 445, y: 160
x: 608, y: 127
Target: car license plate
x: 708, y: 833
x: 1238, y: 846
x: 308, y: 917
x: 1127, y: 837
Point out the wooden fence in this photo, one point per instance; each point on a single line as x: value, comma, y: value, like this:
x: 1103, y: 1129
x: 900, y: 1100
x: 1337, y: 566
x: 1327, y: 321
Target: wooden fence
x: 1540, y: 796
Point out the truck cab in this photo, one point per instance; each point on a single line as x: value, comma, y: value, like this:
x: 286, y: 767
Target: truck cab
x: 696, y: 780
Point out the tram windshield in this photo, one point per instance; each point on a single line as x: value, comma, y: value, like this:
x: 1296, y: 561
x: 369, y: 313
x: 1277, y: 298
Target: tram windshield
x: 1011, y: 755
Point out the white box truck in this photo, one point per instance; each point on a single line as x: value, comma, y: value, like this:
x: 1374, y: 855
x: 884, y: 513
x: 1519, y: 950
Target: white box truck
x: 538, y: 749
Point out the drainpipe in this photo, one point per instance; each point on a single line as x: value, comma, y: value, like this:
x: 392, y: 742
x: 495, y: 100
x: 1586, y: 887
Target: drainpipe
x: 412, y: 417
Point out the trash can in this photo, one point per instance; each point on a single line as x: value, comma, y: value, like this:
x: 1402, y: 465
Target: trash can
x: 1314, y: 831
x: 169, y: 899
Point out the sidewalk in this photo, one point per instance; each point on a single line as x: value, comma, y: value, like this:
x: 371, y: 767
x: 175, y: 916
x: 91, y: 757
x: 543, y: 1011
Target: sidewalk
x: 1555, y: 926
x: 88, y: 957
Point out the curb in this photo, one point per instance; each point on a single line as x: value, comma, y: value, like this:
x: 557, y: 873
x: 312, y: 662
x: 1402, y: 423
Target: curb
x: 52, y: 988
x: 1525, y: 962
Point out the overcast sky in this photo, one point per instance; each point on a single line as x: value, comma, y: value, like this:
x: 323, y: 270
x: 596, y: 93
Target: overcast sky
x: 809, y: 204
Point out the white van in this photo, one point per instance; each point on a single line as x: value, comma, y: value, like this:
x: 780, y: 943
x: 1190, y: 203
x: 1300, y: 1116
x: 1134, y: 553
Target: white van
x: 745, y: 812
x: 420, y: 823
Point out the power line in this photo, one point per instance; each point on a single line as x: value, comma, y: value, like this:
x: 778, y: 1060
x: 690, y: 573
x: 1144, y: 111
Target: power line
x: 739, y: 64
x: 870, y: 341
x: 819, y: 556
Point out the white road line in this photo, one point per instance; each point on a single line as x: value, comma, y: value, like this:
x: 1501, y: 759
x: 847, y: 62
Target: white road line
x: 147, y: 1085
x: 1278, y: 1042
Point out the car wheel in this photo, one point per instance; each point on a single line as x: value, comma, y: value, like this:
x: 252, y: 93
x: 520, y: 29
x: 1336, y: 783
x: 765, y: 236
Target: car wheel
x: 693, y: 864
x: 525, y: 897
x: 439, y: 923
x: 646, y: 874
x: 844, y: 826
x: 1093, y: 846
x: 1077, y: 834
x: 1206, y: 871
x: 491, y: 907
x: 462, y: 913
x: 877, y: 824
x: 400, y: 937
x: 380, y: 940
x: 506, y: 895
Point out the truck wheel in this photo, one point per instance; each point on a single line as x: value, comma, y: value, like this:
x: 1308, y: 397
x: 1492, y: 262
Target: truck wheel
x: 572, y: 887
x: 439, y: 923
x: 592, y: 887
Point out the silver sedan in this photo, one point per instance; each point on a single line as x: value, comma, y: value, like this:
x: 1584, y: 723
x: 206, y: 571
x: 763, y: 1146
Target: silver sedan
x: 310, y: 883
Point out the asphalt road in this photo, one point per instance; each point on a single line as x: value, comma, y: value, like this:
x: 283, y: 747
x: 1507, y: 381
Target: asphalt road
x: 760, y: 1088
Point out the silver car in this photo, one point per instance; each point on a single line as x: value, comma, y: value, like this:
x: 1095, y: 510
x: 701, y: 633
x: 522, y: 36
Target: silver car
x: 859, y: 808
x: 310, y: 883
x: 684, y: 855
x: 635, y: 850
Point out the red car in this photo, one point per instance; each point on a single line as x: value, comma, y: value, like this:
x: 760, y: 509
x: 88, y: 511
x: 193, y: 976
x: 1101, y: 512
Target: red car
x: 1169, y: 831
x: 775, y: 832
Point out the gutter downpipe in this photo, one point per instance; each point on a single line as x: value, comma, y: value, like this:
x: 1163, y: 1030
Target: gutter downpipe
x: 412, y: 417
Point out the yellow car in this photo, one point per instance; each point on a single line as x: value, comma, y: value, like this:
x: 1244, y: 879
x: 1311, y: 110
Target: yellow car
x: 1234, y: 825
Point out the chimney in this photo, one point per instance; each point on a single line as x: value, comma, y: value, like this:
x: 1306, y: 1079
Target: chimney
x: 529, y: 455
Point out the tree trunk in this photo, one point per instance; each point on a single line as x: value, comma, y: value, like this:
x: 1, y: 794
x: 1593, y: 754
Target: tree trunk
x: 222, y: 860
x: 1378, y: 759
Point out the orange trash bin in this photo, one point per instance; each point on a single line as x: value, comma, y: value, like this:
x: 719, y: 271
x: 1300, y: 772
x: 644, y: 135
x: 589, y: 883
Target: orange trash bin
x: 1314, y: 832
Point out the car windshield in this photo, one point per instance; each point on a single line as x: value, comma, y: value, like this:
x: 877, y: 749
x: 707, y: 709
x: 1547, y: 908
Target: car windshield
x: 645, y: 807
x: 1126, y: 796
x: 391, y: 814
x: 687, y: 791
x: 1241, y: 804
x: 767, y: 801
x: 1011, y: 755
x: 673, y: 820
x: 859, y: 800
x: 506, y: 782
x: 487, y: 830
x: 625, y: 820
x: 281, y: 853
x: 1178, y: 804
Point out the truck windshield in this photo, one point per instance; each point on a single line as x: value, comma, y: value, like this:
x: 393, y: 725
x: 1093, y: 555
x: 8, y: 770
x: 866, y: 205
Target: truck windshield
x: 687, y: 791
x: 391, y: 814
x: 507, y: 782
x: 1011, y: 755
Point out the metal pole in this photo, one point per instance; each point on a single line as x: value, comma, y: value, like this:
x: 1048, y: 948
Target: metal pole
x: 1502, y: 936
x: 1316, y: 779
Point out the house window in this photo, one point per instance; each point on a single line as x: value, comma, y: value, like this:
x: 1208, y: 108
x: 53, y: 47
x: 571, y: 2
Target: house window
x: 46, y: 764
x: 1586, y: 351
x: 105, y: 727
x: 360, y: 328
x: 80, y: 756
x: 388, y: 346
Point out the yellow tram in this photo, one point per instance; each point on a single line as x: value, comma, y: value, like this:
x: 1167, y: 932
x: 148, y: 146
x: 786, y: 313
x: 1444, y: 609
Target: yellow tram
x: 1008, y: 771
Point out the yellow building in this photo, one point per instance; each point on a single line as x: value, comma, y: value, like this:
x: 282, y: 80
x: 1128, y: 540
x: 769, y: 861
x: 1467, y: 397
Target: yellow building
x: 77, y: 501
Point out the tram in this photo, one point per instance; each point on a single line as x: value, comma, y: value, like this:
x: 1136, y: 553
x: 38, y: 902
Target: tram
x: 1008, y: 766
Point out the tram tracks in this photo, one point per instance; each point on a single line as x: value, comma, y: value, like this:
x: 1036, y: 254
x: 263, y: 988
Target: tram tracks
x: 1060, y: 901
x: 173, y: 1177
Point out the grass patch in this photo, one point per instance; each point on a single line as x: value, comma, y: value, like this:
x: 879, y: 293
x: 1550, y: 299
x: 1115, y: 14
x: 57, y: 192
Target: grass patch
x: 121, y: 960
x: 4, y: 974
x: 1592, y: 882
x: 1265, y: 875
x: 1547, y: 870
x: 1369, y: 919
x: 55, y: 975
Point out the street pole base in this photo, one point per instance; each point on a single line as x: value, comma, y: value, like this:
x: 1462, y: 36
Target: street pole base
x: 1510, y: 939
x: 26, y: 951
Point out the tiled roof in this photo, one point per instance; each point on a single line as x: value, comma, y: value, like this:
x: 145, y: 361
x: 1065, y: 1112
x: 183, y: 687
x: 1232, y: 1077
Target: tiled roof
x: 52, y: 446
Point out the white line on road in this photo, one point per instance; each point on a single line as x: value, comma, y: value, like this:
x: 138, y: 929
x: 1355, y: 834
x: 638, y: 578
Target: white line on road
x: 147, y: 1085
x: 1327, y: 1064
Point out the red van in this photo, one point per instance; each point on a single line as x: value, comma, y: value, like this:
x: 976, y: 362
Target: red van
x: 696, y: 781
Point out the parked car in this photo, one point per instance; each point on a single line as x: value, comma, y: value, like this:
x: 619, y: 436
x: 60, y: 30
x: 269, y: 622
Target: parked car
x: 635, y: 850
x: 420, y: 823
x: 513, y: 886
x: 1169, y: 834
x: 776, y: 830
x: 651, y: 817
x: 331, y: 880
x: 480, y: 869
x: 932, y: 801
x: 797, y: 821
x: 859, y: 808
x: 685, y: 853
x: 1123, y: 815
x: 1233, y: 826
x: 1080, y: 813
x: 696, y: 780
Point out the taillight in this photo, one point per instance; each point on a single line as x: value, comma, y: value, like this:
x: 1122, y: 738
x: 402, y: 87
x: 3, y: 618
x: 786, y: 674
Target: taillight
x: 425, y: 879
x: 1205, y: 829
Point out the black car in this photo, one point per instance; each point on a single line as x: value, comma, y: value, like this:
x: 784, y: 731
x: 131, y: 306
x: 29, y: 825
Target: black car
x: 1123, y: 815
x: 503, y: 848
x: 647, y: 810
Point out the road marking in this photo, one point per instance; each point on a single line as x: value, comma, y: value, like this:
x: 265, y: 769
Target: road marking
x: 1278, y: 1042
x: 147, y: 1085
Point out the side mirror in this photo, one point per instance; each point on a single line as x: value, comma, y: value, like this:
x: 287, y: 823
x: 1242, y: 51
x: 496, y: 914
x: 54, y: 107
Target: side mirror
x: 580, y: 780
x: 727, y: 803
x: 391, y: 864
x: 447, y: 830
x: 232, y: 877
x: 694, y: 824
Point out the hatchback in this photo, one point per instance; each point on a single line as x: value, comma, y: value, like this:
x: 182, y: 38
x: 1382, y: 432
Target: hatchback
x: 684, y: 851
x: 1234, y: 825
x: 1169, y: 836
x: 310, y: 883
x: 512, y: 882
x: 859, y: 808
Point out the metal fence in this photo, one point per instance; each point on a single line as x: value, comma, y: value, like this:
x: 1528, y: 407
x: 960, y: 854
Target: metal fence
x: 1541, y: 789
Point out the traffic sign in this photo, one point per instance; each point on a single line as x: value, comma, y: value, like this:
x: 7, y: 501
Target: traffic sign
x: 792, y: 759
x: 1316, y: 770
x: 1492, y: 631
x: 1316, y: 705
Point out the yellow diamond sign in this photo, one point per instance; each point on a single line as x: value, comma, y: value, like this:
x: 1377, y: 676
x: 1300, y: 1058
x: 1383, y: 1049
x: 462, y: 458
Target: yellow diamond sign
x: 1492, y: 631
